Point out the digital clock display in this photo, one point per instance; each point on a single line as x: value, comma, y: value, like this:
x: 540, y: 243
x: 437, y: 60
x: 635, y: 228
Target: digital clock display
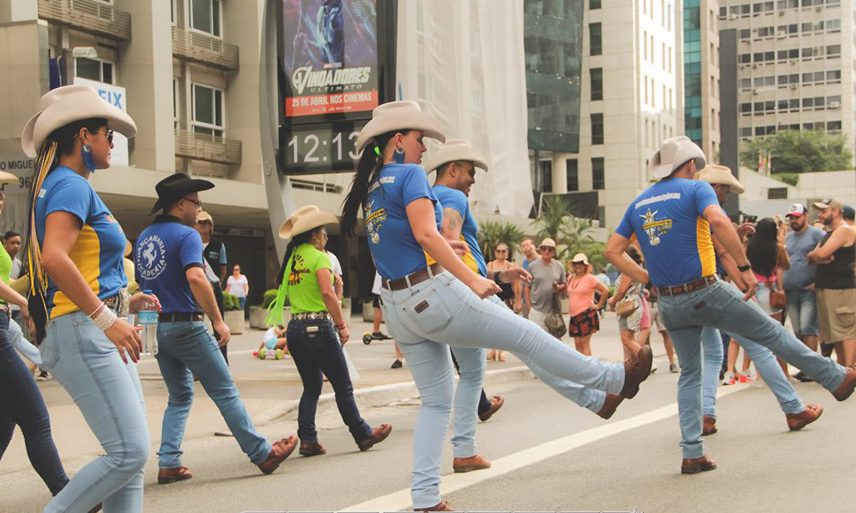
x: 319, y: 148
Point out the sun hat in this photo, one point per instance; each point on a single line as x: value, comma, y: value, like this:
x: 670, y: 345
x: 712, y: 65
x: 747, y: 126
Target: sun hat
x: 548, y: 242
x: 796, y: 210
x: 828, y: 203
x: 580, y: 258
x: 204, y: 217
x: 454, y: 150
x: 717, y: 174
x: 305, y: 219
x: 672, y: 153
x: 400, y: 115
x: 175, y: 186
x: 68, y: 104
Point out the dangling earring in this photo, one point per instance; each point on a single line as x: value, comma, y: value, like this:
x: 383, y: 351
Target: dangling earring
x: 86, y: 153
x: 398, y: 156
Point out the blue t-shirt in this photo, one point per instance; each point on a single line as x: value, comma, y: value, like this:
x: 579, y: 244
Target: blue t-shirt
x: 100, y: 245
x: 675, y: 238
x: 801, y: 272
x: 164, y: 252
x: 457, y: 201
x: 393, y: 246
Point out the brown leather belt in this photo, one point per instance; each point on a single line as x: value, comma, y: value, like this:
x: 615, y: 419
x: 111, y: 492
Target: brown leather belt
x: 686, y: 287
x: 180, y: 317
x: 412, y: 278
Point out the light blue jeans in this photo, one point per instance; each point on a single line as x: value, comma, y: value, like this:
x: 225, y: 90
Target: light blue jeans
x: 185, y: 347
x: 442, y: 310
x: 28, y: 350
x: 765, y: 361
x: 109, y: 396
x: 802, y: 311
x: 471, y: 368
x: 722, y: 306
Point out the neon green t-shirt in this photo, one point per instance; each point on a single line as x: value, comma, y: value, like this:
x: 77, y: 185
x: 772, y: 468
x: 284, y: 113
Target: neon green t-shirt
x: 303, y: 292
x: 5, y: 267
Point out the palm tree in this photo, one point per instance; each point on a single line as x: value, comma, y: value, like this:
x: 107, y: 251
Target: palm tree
x: 570, y: 233
x: 492, y: 233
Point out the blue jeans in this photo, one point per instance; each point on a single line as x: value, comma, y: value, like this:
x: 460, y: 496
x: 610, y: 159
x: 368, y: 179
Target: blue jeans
x: 19, y: 342
x: 315, y: 347
x: 21, y: 404
x: 439, y: 311
x: 471, y: 368
x: 109, y: 396
x: 802, y: 311
x: 185, y: 347
x: 722, y: 306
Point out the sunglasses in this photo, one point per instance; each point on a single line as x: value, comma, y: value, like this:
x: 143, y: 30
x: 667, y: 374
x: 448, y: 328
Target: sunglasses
x: 502, y: 251
x: 547, y: 248
x: 195, y: 202
x: 108, y: 134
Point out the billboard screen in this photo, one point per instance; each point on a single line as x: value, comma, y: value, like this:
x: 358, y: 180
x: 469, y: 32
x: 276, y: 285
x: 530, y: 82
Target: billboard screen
x: 330, y: 57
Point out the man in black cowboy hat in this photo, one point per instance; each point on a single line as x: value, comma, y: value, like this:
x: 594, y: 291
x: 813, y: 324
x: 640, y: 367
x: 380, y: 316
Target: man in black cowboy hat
x: 168, y: 260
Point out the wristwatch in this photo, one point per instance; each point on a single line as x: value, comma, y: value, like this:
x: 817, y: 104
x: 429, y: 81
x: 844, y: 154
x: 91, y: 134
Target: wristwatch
x: 744, y: 268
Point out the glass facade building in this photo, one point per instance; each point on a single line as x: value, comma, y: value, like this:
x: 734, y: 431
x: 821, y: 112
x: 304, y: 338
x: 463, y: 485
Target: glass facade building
x: 693, y: 109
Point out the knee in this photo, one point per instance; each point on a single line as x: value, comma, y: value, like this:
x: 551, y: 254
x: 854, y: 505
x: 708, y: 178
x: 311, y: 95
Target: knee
x: 133, y: 455
x: 440, y: 396
x: 183, y: 399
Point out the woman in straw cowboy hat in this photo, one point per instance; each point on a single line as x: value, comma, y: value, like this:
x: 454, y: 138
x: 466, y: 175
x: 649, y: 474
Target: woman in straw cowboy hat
x: 78, y: 295
x: 21, y: 403
x: 427, y: 307
x: 317, y: 330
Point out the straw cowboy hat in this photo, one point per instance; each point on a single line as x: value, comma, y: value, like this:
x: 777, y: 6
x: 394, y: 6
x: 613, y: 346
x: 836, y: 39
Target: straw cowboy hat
x: 547, y: 243
x: 7, y: 177
x: 716, y: 174
x: 401, y: 115
x: 580, y: 258
x: 305, y: 219
x: 68, y: 104
x: 674, y: 152
x: 204, y: 217
x: 453, y: 150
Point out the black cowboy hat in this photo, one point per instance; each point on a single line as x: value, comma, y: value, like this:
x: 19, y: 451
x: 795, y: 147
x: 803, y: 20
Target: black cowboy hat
x: 175, y: 186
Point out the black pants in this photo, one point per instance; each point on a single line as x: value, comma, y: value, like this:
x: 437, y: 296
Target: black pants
x: 21, y: 404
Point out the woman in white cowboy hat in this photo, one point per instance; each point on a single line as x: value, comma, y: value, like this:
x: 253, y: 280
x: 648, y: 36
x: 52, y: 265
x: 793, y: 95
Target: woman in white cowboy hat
x: 427, y: 307
x: 78, y: 296
x: 317, y: 330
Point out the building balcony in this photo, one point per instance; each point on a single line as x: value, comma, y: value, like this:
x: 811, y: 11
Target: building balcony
x: 90, y: 16
x: 209, y: 148
x: 198, y: 47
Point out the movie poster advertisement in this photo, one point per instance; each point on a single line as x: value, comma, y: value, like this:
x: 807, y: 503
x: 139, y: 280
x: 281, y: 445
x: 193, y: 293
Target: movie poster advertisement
x: 330, y: 56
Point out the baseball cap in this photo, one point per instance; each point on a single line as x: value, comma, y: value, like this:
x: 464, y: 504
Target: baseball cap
x: 796, y: 210
x: 828, y: 203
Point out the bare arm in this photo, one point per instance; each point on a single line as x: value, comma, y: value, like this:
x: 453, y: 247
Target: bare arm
x: 452, y: 224
x: 604, y: 292
x: 420, y: 214
x: 823, y: 254
x: 622, y: 289
x: 728, y: 263
x: 722, y: 227
x: 204, y: 296
x: 331, y: 301
x: 615, y: 247
x: 783, y: 261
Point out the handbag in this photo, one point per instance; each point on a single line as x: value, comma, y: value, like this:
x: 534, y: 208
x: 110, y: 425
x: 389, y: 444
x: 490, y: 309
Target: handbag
x: 778, y: 299
x: 554, y: 322
x: 626, y: 307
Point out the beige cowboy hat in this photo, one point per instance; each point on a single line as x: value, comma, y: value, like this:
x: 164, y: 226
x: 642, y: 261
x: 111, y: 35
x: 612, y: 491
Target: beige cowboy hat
x: 400, y: 115
x: 68, y: 104
x: 580, y: 258
x: 454, y: 150
x: 716, y: 174
x: 548, y: 243
x: 204, y: 217
x: 7, y: 177
x: 828, y: 203
x: 672, y: 154
x: 304, y: 219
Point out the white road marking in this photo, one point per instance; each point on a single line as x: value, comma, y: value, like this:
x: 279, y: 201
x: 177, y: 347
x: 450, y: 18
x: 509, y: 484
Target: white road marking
x: 400, y: 500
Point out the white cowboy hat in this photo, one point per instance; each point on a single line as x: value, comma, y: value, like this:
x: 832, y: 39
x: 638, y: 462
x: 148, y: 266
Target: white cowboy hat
x: 674, y: 152
x: 580, y: 258
x: 716, y: 174
x: 304, y: 219
x: 547, y: 243
x: 8, y: 177
x: 453, y: 150
x: 68, y: 104
x: 401, y: 115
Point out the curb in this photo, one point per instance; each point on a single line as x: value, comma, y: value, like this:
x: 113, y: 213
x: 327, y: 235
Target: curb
x: 383, y: 395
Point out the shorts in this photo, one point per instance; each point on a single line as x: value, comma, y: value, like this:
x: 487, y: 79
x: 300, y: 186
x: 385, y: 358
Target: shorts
x: 376, y: 301
x: 584, y: 324
x: 655, y: 317
x: 632, y: 322
x: 836, y: 314
x: 763, y: 296
x: 270, y: 343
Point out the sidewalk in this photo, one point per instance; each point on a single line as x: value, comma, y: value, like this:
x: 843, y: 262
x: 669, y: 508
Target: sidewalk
x: 271, y: 390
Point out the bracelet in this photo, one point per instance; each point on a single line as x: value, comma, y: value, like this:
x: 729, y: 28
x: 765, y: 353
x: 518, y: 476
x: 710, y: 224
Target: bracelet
x: 95, y: 312
x: 104, y: 318
x: 744, y: 268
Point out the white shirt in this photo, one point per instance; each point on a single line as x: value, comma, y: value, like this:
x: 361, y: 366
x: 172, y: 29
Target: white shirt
x: 334, y: 263
x: 236, y: 285
x: 377, y: 284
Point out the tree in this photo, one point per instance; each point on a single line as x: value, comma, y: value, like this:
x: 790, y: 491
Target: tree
x: 803, y: 151
x: 570, y: 233
x: 492, y: 233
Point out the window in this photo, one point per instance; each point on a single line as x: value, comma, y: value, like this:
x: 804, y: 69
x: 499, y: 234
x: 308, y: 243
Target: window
x: 205, y: 16
x: 545, y: 175
x: 594, y: 4
x: 597, y: 174
x: 207, y: 110
x: 596, y: 75
x: 175, y: 103
x: 597, y: 128
x: 595, y: 39
x: 777, y: 193
x: 573, y: 175
x: 94, y: 69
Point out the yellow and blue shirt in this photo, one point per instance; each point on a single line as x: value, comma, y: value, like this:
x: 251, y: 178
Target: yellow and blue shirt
x: 675, y: 238
x: 457, y: 201
x: 98, y: 251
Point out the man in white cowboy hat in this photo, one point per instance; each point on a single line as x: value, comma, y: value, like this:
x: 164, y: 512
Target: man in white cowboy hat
x: 797, y: 415
x: 835, y: 282
x: 169, y: 262
x: 672, y: 221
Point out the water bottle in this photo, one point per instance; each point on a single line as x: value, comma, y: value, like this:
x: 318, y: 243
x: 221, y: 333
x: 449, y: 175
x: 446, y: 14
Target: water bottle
x: 147, y: 317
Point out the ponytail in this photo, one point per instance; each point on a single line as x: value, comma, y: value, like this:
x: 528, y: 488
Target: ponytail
x: 368, y: 169
x: 274, y: 316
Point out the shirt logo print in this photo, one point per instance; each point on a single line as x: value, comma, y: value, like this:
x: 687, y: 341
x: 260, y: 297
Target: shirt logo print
x: 295, y: 276
x: 151, y: 257
x: 655, y: 228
